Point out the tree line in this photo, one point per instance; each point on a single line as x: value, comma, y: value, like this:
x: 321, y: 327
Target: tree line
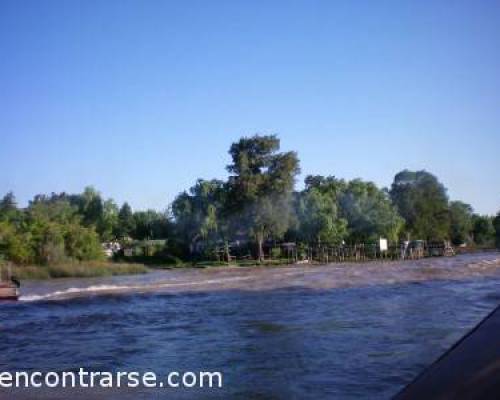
x: 257, y: 203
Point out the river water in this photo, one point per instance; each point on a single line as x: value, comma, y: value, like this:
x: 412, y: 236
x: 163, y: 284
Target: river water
x: 334, y: 331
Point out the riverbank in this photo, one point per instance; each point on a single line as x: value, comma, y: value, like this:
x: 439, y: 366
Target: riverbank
x: 77, y: 270
x: 376, y: 267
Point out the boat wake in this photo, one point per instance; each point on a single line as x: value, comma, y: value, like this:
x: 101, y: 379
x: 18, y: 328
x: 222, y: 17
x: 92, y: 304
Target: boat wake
x: 110, y: 289
x: 75, y: 291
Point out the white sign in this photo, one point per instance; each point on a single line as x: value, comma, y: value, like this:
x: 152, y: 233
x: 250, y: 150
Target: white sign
x: 383, y: 244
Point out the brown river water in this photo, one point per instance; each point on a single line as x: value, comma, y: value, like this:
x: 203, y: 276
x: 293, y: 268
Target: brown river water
x: 330, y: 276
x: 340, y: 331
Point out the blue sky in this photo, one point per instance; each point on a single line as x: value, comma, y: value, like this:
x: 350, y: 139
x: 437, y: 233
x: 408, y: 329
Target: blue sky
x: 140, y: 98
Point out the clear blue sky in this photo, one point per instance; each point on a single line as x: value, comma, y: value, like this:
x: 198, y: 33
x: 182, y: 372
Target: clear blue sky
x: 140, y: 98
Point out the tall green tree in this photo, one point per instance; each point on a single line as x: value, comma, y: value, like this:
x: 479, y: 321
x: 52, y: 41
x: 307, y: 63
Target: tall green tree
x: 318, y: 211
x: 126, y: 222
x: 369, y: 212
x: 107, y: 225
x: 150, y: 224
x: 483, y: 231
x: 260, y: 188
x: 461, y: 224
x: 199, y: 213
x: 318, y: 218
x: 423, y: 203
x: 91, y: 206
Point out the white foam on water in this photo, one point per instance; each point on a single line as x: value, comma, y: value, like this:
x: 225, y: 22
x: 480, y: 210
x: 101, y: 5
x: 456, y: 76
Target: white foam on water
x: 116, y: 288
x: 330, y: 276
x: 73, y: 290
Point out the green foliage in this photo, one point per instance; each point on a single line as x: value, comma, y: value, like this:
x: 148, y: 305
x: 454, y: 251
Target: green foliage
x: 370, y: 213
x: 331, y: 210
x: 48, y: 240
x: 319, y: 219
x: 483, y: 231
x: 496, y: 225
x: 255, y: 204
x: 82, y: 243
x: 126, y: 222
x: 423, y: 203
x: 90, y: 206
x: 107, y: 225
x: 150, y: 224
x: 48, y: 232
x: 275, y: 252
x: 260, y: 188
x: 198, y: 214
x: 58, y: 229
x: 8, y: 204
x: 461, y: 224
x: 15, y: 245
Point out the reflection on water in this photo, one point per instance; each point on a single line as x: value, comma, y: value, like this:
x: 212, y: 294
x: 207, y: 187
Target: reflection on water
x: 322, y: 332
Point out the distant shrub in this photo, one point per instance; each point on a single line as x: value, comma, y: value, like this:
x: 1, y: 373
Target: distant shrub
x: 275, y: 252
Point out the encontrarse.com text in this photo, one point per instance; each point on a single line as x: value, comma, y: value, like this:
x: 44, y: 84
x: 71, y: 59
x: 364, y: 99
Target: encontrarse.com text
x: 95, y: 379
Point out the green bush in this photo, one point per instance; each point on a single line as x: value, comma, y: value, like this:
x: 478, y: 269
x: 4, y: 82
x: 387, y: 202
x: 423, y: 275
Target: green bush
x: 275, y: 252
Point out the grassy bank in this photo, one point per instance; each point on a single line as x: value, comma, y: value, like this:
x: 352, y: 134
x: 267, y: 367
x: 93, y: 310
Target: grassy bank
x: 105, y: 268
x: 78, y: 270
x: 242, y: 263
